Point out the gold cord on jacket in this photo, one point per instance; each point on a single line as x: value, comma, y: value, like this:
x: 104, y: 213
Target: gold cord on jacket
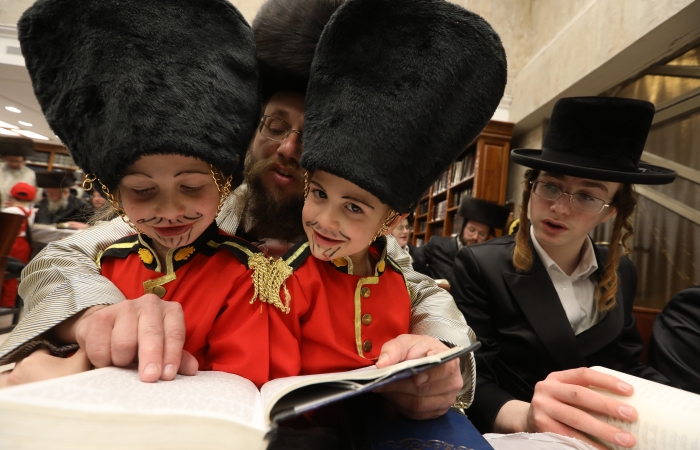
x: 269, y: 276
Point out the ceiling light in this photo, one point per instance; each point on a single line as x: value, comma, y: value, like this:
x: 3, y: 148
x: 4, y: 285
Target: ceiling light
x: 31, y: 134
x: 26, y: 124
x: 7, y: 125
x: 12, y: 109
x: 8, y: 132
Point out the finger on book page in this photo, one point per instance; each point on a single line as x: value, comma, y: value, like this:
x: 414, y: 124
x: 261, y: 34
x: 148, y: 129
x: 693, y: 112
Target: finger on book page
x: 188, y: 364
x: 174, y: 341
x: 408, y: 346
x: 151, y: 334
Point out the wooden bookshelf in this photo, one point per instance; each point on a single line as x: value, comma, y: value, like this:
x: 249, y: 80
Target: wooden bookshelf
x: 480, y: 171
x: 49, y: 157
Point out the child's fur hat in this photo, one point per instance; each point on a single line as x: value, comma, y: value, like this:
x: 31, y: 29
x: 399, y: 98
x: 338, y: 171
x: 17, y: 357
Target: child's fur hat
x: 118, y: 80
x: 398, y: 90
x: 286, y: 33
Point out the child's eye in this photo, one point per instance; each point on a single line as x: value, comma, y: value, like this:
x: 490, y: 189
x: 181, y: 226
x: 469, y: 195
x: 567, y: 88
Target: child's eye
x: 319, y: 193
x: 142, y: 191
x: 354, y: 208
x: 191, y: 189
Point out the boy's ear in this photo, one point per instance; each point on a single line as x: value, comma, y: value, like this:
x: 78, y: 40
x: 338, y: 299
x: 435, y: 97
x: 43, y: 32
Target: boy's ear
x: 395, y: 223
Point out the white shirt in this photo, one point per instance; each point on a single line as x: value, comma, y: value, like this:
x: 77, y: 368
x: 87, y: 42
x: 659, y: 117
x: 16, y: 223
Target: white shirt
x: 576, y: 292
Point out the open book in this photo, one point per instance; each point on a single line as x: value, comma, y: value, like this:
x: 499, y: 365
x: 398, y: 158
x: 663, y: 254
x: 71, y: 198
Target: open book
x: 111, y: 408
x: 669, y: 418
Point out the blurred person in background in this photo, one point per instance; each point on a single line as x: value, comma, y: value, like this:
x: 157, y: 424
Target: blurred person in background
x: 59, y: 205
x: 13, y: 170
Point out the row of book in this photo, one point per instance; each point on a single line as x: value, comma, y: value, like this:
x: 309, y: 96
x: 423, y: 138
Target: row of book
x: 458, y: 196
x: 441, y: 183
x: 463, y: 168
x: 440, y: 210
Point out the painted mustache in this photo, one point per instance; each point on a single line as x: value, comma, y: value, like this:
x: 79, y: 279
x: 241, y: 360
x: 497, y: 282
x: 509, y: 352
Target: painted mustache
x: 326, y: 251
x: 159, y: 220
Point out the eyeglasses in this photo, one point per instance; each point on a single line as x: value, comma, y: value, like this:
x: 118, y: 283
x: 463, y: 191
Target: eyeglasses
x: 276, y: 129
x: 401, y: 228
x: 581, y: 201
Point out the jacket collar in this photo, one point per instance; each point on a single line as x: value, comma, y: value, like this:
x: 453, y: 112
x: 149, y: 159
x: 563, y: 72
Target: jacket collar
x: 539, y: 301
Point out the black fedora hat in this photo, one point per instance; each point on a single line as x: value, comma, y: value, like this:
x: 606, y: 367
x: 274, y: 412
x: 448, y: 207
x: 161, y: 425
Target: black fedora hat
x: 484, y: 211
x: 16, y: 146
x: 600, y: 138
x: 55, y: 179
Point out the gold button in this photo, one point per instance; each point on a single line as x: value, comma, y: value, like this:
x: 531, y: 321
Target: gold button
x: 367, y: 319
x: 364, y: 292
x: 367, y: 346
x: 159, y: 291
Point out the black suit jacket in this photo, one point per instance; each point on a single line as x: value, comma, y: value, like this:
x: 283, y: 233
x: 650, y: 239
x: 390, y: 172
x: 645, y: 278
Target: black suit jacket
x: 675, y: 343
x: 73, y: 211
x: 525, y: 333
x: 436, y: 258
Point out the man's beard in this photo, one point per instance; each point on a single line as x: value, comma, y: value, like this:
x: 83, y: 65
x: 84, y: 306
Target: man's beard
x: 274, y: 214
x: 55, y: 206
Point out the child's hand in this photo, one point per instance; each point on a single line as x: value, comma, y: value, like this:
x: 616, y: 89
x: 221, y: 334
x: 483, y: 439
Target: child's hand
x: 428, y: 394
x: 41, y: 365
x: 147, y: 327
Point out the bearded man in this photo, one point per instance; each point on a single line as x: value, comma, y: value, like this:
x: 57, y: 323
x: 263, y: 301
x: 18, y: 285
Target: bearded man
x: 59, y: 205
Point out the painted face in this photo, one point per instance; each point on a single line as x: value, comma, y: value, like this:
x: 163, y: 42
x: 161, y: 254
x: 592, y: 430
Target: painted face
x: 340, y: 218
x: 272, y: 162
x: 475, y: 232
x: 402, y: 233
x: 560, y: 226
x: 171, y: 198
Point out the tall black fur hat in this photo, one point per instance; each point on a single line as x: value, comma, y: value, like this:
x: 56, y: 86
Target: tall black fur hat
x: 118, y: 80
x: 484, y: 211
x: 601, y: 138
x: 286, y: 33
x: 398, y: 90
x: 16, y: 146
x: 55, y: 179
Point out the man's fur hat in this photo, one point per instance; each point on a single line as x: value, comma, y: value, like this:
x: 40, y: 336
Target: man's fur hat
x: 398, y: 90
x: 55, y: 179
x: 484, y: 211
x: 286, y: 33
x: 121, y: 80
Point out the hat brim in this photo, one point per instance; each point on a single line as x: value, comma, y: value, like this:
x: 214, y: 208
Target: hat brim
x: 645, y: 174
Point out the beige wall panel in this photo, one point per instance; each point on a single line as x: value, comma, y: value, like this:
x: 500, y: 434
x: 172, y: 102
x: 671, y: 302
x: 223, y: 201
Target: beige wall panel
x: 595, y: 48
x: 11, y: 10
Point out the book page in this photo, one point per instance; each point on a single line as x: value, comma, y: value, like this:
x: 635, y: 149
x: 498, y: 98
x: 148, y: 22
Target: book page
x: 339, y: 384
x: 116, y: 390
x: 669, y: 418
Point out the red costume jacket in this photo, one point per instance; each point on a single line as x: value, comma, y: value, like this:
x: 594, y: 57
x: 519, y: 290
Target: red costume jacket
x: 262, y: 318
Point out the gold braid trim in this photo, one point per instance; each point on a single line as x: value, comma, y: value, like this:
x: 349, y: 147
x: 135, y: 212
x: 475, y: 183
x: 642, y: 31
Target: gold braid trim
x: 269, y: 276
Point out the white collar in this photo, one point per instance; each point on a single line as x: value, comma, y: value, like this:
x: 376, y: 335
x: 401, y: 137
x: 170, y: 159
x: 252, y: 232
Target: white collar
x: 586, y: 266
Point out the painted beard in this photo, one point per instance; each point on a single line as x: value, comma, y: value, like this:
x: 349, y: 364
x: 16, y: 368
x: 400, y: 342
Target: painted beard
x: 275, y: 215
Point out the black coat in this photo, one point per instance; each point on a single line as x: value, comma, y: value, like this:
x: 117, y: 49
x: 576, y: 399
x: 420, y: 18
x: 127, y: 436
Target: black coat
x: 675, y: 343
x: 437, y: 257
x: 73, y: 211
x: 525, y: 333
